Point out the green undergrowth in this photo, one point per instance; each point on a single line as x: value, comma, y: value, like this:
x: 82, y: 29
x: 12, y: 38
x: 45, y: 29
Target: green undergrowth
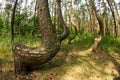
x: 72, y: 62
x: 86, y: 40
x: 110, y: 43
x: 81, y: 42
x: 6, y: 45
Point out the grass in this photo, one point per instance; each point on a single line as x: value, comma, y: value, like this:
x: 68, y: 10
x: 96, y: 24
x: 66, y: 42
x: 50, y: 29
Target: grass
x: 73, y: 62
x: 110, y: 43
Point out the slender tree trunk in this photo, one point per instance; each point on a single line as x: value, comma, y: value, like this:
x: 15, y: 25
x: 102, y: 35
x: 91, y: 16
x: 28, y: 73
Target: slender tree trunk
x: 72, y: 24
x: 101, y: 26
x: 33, y: 32
x: 62, y: 23
x: 75, y: 34
x: 90, y: 21
x: 116, y: 10
x: 66, y: 11
x: 113, y: 15
x: 55, y: 14
x: 91, y: 14
x: 12, y: 21
x: 106, y: 28
x: 70, y: 15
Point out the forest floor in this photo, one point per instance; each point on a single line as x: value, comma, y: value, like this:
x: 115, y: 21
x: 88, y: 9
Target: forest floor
x: 71, y: 63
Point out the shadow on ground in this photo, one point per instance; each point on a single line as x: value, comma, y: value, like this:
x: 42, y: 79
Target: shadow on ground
x: 71, y: 63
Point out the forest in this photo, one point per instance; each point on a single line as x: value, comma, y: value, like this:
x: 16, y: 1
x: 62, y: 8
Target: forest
x: 59, y: 40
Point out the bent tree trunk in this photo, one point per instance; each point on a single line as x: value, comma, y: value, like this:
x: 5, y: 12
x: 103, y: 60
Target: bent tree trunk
x: 75, y: 34
x: 101, y: 27
x: 27, y: 57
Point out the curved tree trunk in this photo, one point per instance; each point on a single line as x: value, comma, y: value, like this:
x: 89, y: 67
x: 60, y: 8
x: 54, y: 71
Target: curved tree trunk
x: 26, y: 57
x: 62, y: 23
x: 101, y: 33
x: 75, y: 34
x: 101, y: 26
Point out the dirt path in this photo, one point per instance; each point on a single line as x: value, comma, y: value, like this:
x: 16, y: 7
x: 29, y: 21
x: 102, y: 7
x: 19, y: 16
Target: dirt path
x: 71, y: 64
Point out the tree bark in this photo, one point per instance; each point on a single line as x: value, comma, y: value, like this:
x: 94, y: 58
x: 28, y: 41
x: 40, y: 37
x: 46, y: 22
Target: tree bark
x: 27, y: 57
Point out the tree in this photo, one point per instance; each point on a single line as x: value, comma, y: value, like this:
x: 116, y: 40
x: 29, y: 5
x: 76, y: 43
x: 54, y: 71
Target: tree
x: 12, y: 21
x: 105, y: 15
x: 113, y: 15
x: 71, y: 23
x: 26, y: 57
x: 101, y: 26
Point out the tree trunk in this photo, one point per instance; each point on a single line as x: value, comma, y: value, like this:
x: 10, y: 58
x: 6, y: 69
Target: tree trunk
x: 34, y: 22
x: 90, y: 15
x: 55, y: 15
x: 27, y: 57
x: 62, y: 23
x: 12, y: 21
x: 96, y: 43
x: 101, y: 26
x: 72, y: 24
x: 75, y: 34
x: 113, y: 15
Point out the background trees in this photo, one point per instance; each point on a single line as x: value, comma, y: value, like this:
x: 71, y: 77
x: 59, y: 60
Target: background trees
x: 76, y: 11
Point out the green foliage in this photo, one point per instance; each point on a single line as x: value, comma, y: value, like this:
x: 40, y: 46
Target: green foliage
x: 110, y: 43
x: 24, y: 25
x: 83, y: 41
x: 1, y: 25
x: 86, y: 40
x: 8, y: 6
x: 28, y: 40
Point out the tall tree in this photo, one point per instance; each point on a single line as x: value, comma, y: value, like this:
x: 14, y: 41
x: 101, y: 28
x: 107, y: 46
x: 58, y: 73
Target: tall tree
x: 90, y: 14
x: 72, y: 24
x: 101, y: 27
x: 26, y: 57
x: 117, y: 12
x: 113, y: 15
x: 12, y: 20
x: 105, y: 15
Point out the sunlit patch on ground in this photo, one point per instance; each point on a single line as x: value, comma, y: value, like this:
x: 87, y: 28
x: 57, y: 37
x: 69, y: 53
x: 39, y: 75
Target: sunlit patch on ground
x: 73, y: 64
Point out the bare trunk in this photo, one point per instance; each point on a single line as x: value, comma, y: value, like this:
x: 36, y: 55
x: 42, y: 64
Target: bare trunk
x: 101, y: 26
x: 117, y: 11
x: 90, y: 21
x: 75, y: 34
x: 12, y: 21
x: 55, y: 15
x: 96, y: 43
x: 113, y: 15
x: 33, y: 32
x: 62, y: 23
